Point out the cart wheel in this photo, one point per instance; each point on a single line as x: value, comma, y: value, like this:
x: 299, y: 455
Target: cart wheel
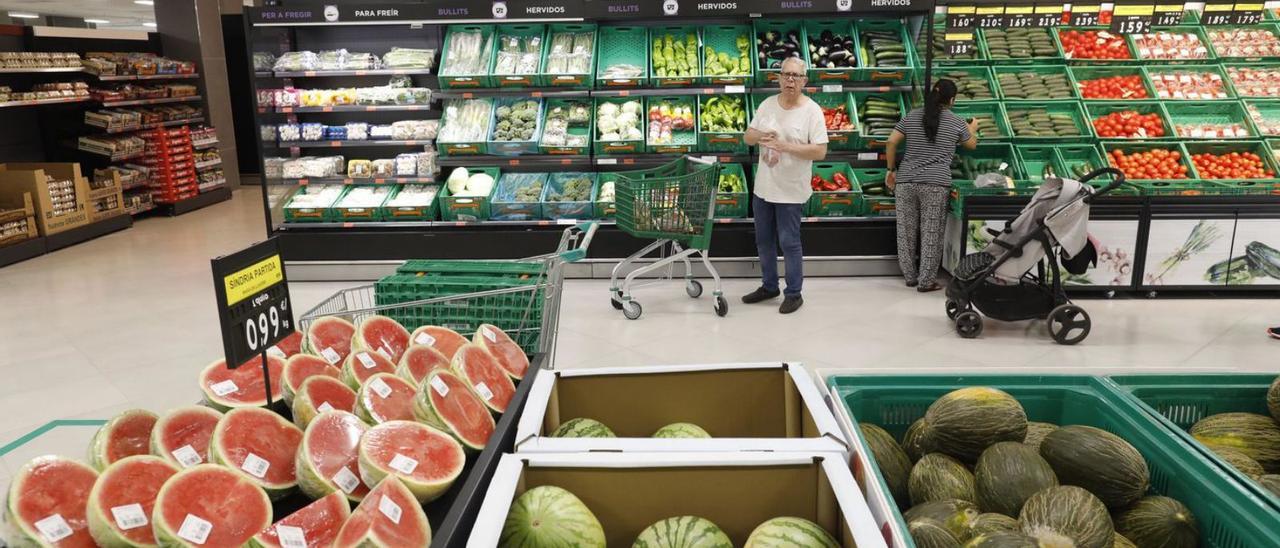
x: 1069, y: 324
x: 969, y: 324
x: 953, y: 309
x: 631, y: 309
x: 616, y: 300
x: 693, y: 288
x: 722, y: 306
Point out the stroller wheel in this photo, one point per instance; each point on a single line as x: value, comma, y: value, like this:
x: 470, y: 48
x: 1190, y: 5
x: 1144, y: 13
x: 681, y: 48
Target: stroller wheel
x: 1069, y: 324
x: 953, y: 309
x: 969, y: 324
x: 616, y: 300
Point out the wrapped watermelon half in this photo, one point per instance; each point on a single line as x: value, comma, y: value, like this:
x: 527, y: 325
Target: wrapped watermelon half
x: 122, y: 501
x: 489, y: 380
x: 447, y: 402
x: 301, y: 367
x: 315, y: 525
x: 226, y: 388
x: 319, y: 394
x: 385, y: 397
x: 426, y: 459
x: 125, y: 435
x: 446, y: 340
x: 508, y: 353
x: 362, y: 364
x: 419, y: 361
x: 327, y: 460
x: 389, y: 516
x: 209, y: 505
x: 260, y: 444
x: 383, y: 335
x: 182, y: 435
x: 288, y: 347
x: 330, y: 338
x: 46, y: 504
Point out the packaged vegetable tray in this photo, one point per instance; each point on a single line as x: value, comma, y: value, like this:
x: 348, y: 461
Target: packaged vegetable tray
x: 834, y: 203
x: 467, y: 208
x: 1176, y: 45
x: 523, y: 118
x: 1265, y: 116
x: 571, y: 52
x: 465, y: 126
x: 398, y: 206
x: 670, y: 124
x: 623, y: 57
x: 733, y: 196
x: 734, y: 51
x: 718, y: 117
x: 885, y: 51
x: 467, y: 57
x: 1189, y: 82
x: 518, y: 197
x: 1210, y: 120
x: 518, y: 55
x: 569, y: 196
x: 565, y: 124
x: 674, y: 56
x: 608, y: 113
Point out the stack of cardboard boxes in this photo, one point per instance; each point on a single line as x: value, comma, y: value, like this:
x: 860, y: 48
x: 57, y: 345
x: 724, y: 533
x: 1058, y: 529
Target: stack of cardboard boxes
x: 58, y: 193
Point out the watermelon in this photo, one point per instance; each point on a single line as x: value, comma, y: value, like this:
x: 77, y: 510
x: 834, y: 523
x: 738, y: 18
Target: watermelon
x: 125, y: 435
x: 1099, y: 461
x: 930, y: 533
x: 1159, y: 521
x: 446, y: 340
x: 362, y: 364
x: 1271, y: 482
x: 914, y: 442
x: 550, y: 516
x: 46, y: 504
x: 182, y: 435
x: 447, y: 403
x: 319, y: 394
x: 965, y: 422
x: 1254, y: 435
x: 315, y: 525
x: 681, y: 430
x: 1007, y: 474
x: 426, y: 459
x: 123, y: 498
x: 1002, y: 539
x: 507, y: 351
x: 957, y: 516
x: 992, y: 522
x: 1060, y: 516
x: 790, y: 531
x: 260, y: 444
x: 240, y: 387
x: 288, y: 347
x: 299, y: 368
x: 219, y: 504
x: 385, y: 397
x: 683, y: 532
x: 1238, y: 460
x: 1036, y: 432
x: 382, y: 335
x: 389, y: 516
x: 481, y: 370
x: 1122, y: 542
x: 1273, y: 400
x: 940, y: 477
x: 894, y: 464
x: 582, y: 428
x: 330, y: 338
x: 419, y: 361
x: 326, y: 461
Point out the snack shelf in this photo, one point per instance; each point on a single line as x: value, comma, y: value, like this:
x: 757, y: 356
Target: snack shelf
x: 204, y: 144
x: 168, y: 123
x: 209, y: 164
x: 156, y: 101
x: 137, y: 77
x: 113, y: 158
x: 38, y: 102
x: 41, y: 70
x: 322, y: 73
x: 350, y: 108
x: 355, y: 143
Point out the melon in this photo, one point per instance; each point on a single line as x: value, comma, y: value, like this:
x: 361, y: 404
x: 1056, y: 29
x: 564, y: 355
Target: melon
x: 683, y: 532
x: 182, y: 435
x: 895, y: 466
x: 550, y: 516
x: 446, y: 402
x: 914, y: 442
x: 1067, y: 514
x: 490, y: 381
x: 125, y: 435
x: 362, y: 364
x: 209, y: 505
x: 1238, y: 460
x: 327, y: 459
x: 123, y: 498
x: 940, y: 477
x: 382, y: 335
x: 1159, y: 521
x: 319, y: 394
x: 46, y: 504
x: 388, y: 516
x: 681, y: 430
x: 1271, y: 482
x: 965, y: 422
x: 260, y: 444
x: 1007, y: 474
x: 582, y: 428
x: 930, y: 533
x: 315, y: 525
x: 288, y: 347
x: 1122, y: 542
x: 1255, y: 435
x: 330, y: 338
x: 790, y: 531
x: 508, y: 353
x: 426, y: 459
x: 385, y: 397
x: 243, y: 386
x: 1036, y: 432
x: 299, y: 368
x: 1273, y: 400
x: 419, y: 361
x: 956, y: 515
x: 446, y: 340
x: 1098, y: 461
x: 1002, y: 539
x: 991, y: 522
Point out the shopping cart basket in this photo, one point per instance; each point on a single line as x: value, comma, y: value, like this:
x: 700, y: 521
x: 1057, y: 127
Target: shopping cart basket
x: 515, y: 309
x: 674, y: 204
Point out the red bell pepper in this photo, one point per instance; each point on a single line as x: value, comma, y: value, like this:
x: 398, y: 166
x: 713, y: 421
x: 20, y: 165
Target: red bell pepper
x: 841, y: 182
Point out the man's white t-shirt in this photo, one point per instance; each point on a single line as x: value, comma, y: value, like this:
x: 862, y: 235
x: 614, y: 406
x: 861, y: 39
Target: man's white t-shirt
x: 787, y: 180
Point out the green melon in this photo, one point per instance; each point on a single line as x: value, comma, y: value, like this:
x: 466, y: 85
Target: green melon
x: 548, y: 516
x: 1273, y: 399
x: 683, y: 532
x: 956, y: 515
x: 790, y: 532
x: 940, y: 477
x: 895, y: 466
x: 1254, y: 435
x: 1122, y: 542
x: 681, y: 430
x: 992, y: 522
x: 1238, y: 460
x: 1099, y: 461
x: 1159, y: 521
x: 1067, y: 516
x: 1002, y: 539
x: 930, y: 533
x: 1007, y: 474
x: 914, y: 441
x: 1271, y: 482
x: 964, y: 423
x: 1036, y: 431
x: 582, y: 428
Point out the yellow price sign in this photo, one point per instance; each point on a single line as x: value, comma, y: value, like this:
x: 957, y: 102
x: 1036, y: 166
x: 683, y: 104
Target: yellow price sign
x: 251, y: 280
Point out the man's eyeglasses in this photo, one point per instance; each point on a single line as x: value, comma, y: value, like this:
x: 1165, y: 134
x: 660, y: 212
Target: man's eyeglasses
x: 793, y: 76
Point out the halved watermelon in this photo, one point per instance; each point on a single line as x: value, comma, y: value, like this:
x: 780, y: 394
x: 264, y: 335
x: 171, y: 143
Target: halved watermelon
x: 314, y: 526
x: 121, y: 502
x: 125, y: 435
x: 389, y: 516
x: 208, y: 505
x: 319, y: 394
x: 385, y: 397
x: 326, y: 462
x: 46, y: 504
x: 301, y: 367
x: 240, y: 387
x: 509, y: 354
x: 288, y: 347
x: 445, y: 401
x: 260, y: 444
x: 182, y: 435
x: 446, y: 340
x: 419, y: 361
x: 362, y: 364
x: 381, y: 334
x: 330, y: 338
x: 426, y: 459
x: 481, y: 370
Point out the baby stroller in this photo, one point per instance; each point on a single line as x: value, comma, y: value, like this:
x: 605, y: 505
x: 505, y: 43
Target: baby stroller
x: 998, y: 281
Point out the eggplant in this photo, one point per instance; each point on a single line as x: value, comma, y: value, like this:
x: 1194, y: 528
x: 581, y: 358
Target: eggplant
x: 793, y: 36
x: 778, y: 53
x: 826, y: 35
x: 839, y: 56
x: 796, y: 54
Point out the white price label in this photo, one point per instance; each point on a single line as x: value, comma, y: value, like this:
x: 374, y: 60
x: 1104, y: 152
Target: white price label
x: 868, y: 156
x: 424, y: 339
x: 489, y: 334
x: 380, y: 388
x: 195, y: 529
x: 390, y: 509
x: 367, y: 360
x: 275, y: 351
x: 346, y: 481
x: 325, y: 407
x: 187, y: 456
x: 330, y: 356
x: 566, y: 222
x: 832, y: 88
x: 256, y: 466
x: 403, y: 464
x: 606, y: 161
x: 385, y: 353
x: 54, y: 528
x: 484, y: 391
x: 291, y: 537
x: 129, y: 516
x: 225, y: 387
x: 735, y: 89
x: 439, y: 386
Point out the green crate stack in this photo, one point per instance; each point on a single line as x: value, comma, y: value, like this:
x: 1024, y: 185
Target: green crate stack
x: 973, y: 83
x: 1099, y: 109
x: 562, y: 107
x: 733, y: 205
x: 1005, y: 46
x: 1237, y: 57
x: 735, y: 51
x: 819, y: 75
x: 868, y: 138
x: 495, y: 146
x: 622, y: 146
x: 464, y: 148
x: 605, y: 208
x: 837, y: 203
x: 578, y: 32
x: 1081, y: 74
x: 679, y: 55
x: 428, y: 212
x: 1228, y: 116
x: 1067, y: 122
x: 556, y: 210
x: 502, y: 210
x: 1034, y: 82
x: 1264, y: 116
x: 722, y: 141
x: 1249, y: 92
x: 355, y: 214
x: 941, y: 58
x: 1040, y: 162
x: 480, y: 79
x: 620, y: 46
x: 525, y: 32
x: 1249, y: 188
x: 997, y: 130
x: 1175, y: 74
x: 893, y: 70
x: 1219, y: 148
x: 1128, y: 43
x: 1151, y: 55
x: 765, y: 76
x: 682, y: 141
x: 877, y: 200
x: 467, y: 208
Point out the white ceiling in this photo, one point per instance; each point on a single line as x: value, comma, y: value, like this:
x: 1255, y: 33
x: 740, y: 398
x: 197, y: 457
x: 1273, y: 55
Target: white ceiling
x: 123, y: 14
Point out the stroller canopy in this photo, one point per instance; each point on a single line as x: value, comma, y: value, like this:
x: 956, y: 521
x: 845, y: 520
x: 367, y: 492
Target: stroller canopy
x: 1060, y: 204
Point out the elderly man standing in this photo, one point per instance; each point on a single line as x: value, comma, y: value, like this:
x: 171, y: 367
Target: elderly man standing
x: 791, y: 134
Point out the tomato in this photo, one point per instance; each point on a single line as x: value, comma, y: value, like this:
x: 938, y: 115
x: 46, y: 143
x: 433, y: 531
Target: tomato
x: 1152, y: 164
x: 1129, y: 124
x: 1093, y: 44
x: 1231, y: 165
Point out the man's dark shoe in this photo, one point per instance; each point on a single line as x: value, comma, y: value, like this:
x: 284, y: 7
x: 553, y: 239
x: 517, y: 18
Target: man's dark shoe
x: 791, y: 304
x: 1274, y: 332
x: 759, y: 295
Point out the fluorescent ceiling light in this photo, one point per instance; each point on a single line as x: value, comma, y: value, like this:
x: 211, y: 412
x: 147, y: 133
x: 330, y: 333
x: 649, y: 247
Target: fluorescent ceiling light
x: 144, y: 2
x: 98, y: 21
x: 17, y: 15
x: 149, y: 25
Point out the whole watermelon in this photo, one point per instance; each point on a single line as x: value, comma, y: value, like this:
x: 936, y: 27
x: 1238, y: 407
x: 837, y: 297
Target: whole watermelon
x: 1159, y: 521
x: 1007, y: 474
x: 895, y: 466
x: 548, y: 516
x: 992, y: 522
x: 681, y: 430
x: 1099, y: 461
x: 1254, y: 435
x: 683, y: 532
x: 582, y: 428
x: 940, y: 477
x: 790, y: 532
x: 965, y: 422
x: 930, y: 533
x: 1067, y: 516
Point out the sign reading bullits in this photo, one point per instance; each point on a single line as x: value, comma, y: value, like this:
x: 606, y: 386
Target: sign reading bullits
x: 253, y: 301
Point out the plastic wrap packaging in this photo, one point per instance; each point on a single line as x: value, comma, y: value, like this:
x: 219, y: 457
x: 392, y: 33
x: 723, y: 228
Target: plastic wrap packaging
x: 312, y: 132
x: 622, y: 71
x: 1244, y: 42
x: 267, y: 97
x: 290, y: 132
x: 364, y: 197
x: 287, y: 97
x: 331, y: 60
x: 294, y: 169
x: 427, y: 164
x: 273, y: 167
x: 406, y: 165
x: 571, y: 53
x: 518, y: 55
x: 380, y: 132
x: 409, y: 58
x: 359, y: 169
x: 466, y: 120
x: 361, y: 61
x: 468, y: 53
x: 297, y: 61
x: 263, y: 61
x: 1186, y: 84
x: 384, y: 168
x: 375, y: 96
x: 357, y: 131
x: 269, y: 132
x: 415, y: 196
x: 1170, y: 46
x: 1262, y: 81
x: 315, y: 197
x: 321, y: 167
x: 400, y: 82
x: 335, y: 133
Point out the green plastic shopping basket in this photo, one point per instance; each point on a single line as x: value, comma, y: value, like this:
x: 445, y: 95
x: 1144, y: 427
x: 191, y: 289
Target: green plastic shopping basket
x: 674, y: 201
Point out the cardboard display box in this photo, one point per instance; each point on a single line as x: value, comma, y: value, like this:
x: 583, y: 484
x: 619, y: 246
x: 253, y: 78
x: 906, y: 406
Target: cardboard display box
x: 745, y: 407
x: 34, y: 178
x: 17, y: 213
x: 107, y: 200
x: 737, y: 491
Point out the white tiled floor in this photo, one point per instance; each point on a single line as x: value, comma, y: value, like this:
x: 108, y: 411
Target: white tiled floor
x: 127, y: 321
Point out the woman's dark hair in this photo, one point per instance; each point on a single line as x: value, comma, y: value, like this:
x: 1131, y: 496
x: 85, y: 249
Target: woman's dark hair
x: 944, y: 91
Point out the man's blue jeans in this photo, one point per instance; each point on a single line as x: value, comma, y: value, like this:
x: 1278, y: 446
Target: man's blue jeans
x: 779, y: 224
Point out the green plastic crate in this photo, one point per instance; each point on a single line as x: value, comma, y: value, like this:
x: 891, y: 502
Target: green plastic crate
x: 1081, y: 74
x: 460, y: 148
x: 454, y: 267
x: 1057, y: 72
x: 839, y: 203
x: 524, y: 31
x: 993, y: 111
x: 605, y: 148
x: 1174, y: 74
x: 892, y: 73
x: 1128, y: 43
x: 683, y: 141
x: 678, y: 33
x: 1230, y: 116
x: 940, y: 56
x: 1250, y: 188
x: 515, y: 147
x: 733, y: 205
x: 1182, y: 187
x: 429, y: 212
x: 1249, y: 92
x: 356, y: 214
x: 866, y: 139
x: 836, y: 140
x: 622, y: 46
x: 1036, y: 158
x: 722, y: 141
x: 1070, y: 109
x: 1079, y: 160
x: 983, y: 86
x: 765, y: 76
x: 1099, y: 109
x: 1228, y: 514
x: 569, y: 80
x: 877, y: 200
x: 723, y: 39
x: 813, y: 29
x: 468, y: 208
x: 479, y: 79
x: 993, y: 151
x: 1049, y: 55
x: 582, y: 129
x: 605, y: 209
x: 500, y: 209
x: 567, y: 209
x: 1147, y: 55
x: 1219, y: 148
x: 1228, y: 56
x: 1133, y: 147
x: 306, y: 215
x: 1264, y: 116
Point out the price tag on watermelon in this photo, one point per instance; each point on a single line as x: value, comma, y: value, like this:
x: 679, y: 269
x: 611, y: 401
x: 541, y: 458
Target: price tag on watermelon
x: 489, y: 334
x: 195, y: 529
x: 380, y: 388
x: 366, y: 360
x: 424, y: 339
x: 484, y: 391
x: 225, y: 387
x: 291, y: 537
x: 275, y: 351
x: 187, y: 456
x: 390, y: 509
x: 325, y: 407
x: 129, y: 516
x: 403, y: 464
x: 330, y: 356
x: 385, y: 353
x: 256, y: 466
x: 440, y: 387
x: 54, y: 528
x: 346, y: 481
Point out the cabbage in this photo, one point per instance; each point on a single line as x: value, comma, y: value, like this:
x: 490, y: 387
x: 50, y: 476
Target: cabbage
x: 628, y: 120
x: 607, y: 124
x: 480, y: 184
x: 631, y: 107
x: 457, y: 181
x: 608, y: 109
x: 633, y: 134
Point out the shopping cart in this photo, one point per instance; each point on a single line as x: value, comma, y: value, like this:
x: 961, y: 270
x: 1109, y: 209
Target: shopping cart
x: 675, y: 205
x: 529, y: 312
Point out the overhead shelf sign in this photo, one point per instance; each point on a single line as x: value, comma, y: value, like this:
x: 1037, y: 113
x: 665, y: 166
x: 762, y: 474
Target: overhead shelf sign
x: 440, y: 10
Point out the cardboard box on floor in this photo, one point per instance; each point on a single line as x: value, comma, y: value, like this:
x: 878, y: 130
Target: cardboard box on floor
x: 745, y: 407
x: 17, y: 209
x: 31, y: 177
x: 737, y: 491
x: 105, y: 194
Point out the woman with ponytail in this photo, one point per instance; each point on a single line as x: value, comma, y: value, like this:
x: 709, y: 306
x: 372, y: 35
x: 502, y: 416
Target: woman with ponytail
x: 922, y: 182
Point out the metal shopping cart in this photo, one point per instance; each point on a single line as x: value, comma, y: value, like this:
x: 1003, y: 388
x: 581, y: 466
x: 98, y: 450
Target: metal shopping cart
x: 674, y: 204
x: 528, y: 311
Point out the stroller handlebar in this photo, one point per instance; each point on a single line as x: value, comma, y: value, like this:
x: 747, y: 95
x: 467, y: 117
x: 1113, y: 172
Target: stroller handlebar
x: 1117, y: 179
